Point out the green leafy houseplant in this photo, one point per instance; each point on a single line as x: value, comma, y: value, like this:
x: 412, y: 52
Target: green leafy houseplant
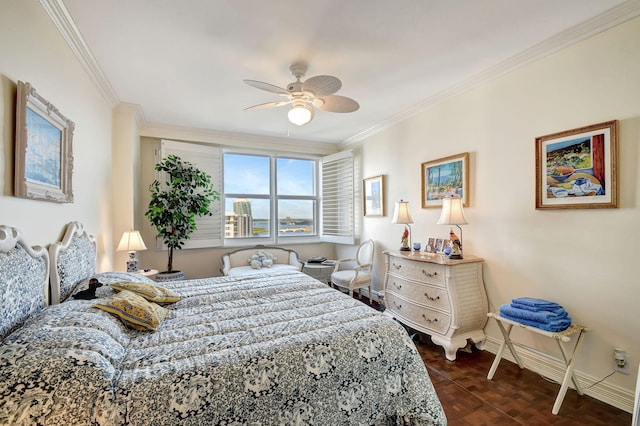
x: 186, y: 194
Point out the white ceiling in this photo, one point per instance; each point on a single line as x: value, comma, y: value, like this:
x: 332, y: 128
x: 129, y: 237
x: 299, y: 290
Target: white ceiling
x: 184, y: 61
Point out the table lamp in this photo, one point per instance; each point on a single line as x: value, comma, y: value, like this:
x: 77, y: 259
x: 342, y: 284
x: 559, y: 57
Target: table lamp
x: 131, y: 241
x: 453, y: 214
x: 402, y: 215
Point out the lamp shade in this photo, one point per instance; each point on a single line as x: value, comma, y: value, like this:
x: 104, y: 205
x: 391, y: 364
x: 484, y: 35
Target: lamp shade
x: 452, y: 212
x: 401, y: 213
x: 300, y: 114
x: 131, y: 241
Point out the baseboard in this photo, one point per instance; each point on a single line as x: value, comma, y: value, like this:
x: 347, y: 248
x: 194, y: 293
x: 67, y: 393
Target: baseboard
x: 553, y: 369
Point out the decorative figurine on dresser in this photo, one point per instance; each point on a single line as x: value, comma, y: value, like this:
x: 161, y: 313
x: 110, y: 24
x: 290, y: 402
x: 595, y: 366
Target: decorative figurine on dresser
x: 444, y: 298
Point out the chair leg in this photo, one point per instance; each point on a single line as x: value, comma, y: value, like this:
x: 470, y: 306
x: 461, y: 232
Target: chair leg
x: 370, y: 300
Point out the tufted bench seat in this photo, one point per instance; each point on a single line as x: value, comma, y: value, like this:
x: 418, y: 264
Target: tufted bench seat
x: 237, y: 262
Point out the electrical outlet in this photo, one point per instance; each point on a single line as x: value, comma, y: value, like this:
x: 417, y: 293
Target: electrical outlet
x: 620, y: 361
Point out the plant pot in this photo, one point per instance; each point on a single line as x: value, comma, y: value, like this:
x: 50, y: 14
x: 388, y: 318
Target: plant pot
x: 169, y: 276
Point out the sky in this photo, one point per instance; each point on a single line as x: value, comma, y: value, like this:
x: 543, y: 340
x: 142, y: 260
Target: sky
x: 249, y: 174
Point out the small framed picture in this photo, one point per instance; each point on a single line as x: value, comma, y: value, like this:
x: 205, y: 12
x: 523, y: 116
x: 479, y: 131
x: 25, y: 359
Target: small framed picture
x: 431, y: 245
x: 439, y: 245
x: 373, y: 195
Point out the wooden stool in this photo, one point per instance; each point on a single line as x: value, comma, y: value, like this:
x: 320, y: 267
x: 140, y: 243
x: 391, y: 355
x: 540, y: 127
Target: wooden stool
x: 562, y: 336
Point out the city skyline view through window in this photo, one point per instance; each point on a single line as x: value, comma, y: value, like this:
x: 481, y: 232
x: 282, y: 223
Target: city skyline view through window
x: 248, y: 195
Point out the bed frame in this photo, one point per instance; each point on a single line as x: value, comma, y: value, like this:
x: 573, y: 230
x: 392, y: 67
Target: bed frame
x: 282, y: 342
x: 21, y: 265
x: 73, y: 259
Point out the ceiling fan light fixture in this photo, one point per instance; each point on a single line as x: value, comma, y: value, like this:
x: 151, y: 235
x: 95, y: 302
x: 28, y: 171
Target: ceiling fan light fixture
x: 300, y: 114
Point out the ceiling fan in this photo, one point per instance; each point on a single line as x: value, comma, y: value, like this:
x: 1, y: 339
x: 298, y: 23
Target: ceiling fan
x: 304, y: 96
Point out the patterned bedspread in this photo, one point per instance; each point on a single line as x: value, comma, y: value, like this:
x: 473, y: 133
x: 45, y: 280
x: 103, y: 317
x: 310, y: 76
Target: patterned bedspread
x: 278, y: 349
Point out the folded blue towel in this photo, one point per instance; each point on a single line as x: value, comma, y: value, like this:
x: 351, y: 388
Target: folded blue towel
x: 554, y: 326
x: 540, y: 316
x: 536, y: 303
x: 537, y: 308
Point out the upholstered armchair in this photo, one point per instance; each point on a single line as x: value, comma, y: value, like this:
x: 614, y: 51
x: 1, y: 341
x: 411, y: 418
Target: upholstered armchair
x: 354, y: 274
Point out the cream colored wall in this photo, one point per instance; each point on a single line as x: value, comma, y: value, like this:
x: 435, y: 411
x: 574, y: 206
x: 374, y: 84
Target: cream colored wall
x: 31, y: 50
x: 583, y: 259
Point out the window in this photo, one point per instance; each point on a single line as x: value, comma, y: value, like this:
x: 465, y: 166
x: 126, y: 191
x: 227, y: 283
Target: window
x: 269, y: 198
x: 259, y: 188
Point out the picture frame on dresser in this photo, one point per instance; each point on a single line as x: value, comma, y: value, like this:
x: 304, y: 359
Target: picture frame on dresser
x: 373, y: 196
x: 578, y: 168
x: 445, y: 177
x: 43, y: 149
x: 431, y: 245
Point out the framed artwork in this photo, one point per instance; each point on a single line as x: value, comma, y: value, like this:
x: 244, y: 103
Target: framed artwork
x: 43, y: 155
x: 439, y: 245
x: 578, y: 168
x: 445, y: 177
x: 373, y: 190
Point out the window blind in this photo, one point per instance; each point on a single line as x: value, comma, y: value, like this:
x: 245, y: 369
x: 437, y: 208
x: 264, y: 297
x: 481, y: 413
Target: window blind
x: 207, y: 158
x: 338, y: 198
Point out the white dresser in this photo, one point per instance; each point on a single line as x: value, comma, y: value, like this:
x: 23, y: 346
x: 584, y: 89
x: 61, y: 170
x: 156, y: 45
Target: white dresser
x: 438, y: 296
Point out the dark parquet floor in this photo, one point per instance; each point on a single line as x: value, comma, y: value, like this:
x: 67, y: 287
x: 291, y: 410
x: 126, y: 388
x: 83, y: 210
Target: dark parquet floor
x: 513, y: 397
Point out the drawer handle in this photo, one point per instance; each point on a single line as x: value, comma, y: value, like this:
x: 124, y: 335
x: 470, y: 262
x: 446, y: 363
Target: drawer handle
x: 395, y: 265
x: 429, y: 274
x: 396, y: 285
x: 429, y: 320
x: 433, y: 299
x: 396, y: 305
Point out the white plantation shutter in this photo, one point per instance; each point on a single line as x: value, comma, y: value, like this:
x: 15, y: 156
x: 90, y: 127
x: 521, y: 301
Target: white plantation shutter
x: 338, y: 198
x: 208, y: 159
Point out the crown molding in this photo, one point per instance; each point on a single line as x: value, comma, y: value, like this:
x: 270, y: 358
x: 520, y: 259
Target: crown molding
x: 63, y: 22
x: 595, y: 25
x: 134, y: 109
x: 59, y: 15
x: 244, y: 140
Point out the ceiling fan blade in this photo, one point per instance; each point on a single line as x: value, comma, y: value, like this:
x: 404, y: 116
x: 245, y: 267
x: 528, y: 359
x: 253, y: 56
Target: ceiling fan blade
x: 268, y: 105
x: 322, y: 85
x: 268, y: 87
x: 335, y: 103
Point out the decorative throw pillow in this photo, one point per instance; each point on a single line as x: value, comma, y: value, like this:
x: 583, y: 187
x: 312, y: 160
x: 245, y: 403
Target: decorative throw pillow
x: 134, y: 310
x: 261, y: 259
x: 151, y: 292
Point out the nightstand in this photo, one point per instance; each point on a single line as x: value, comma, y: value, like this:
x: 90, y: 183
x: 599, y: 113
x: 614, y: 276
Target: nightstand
x: 320, y: 271
x: 147, y: 272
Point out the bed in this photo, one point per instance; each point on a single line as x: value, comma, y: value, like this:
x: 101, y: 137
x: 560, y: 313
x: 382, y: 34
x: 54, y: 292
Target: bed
x: 277, y: 348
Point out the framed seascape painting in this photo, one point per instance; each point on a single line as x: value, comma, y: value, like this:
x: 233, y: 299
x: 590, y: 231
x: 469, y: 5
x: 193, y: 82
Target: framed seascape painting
x: 373, y: 189
x: 445, y: 177
x: 577, y: 169
x: 43, y: 156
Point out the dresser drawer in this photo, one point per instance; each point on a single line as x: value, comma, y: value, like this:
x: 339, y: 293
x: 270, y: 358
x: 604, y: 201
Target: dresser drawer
x: 416, y: 270
x: 422, y: 317
x: 422, y: 294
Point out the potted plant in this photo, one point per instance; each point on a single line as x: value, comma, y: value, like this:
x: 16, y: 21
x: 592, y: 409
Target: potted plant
x: 186, y: 194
